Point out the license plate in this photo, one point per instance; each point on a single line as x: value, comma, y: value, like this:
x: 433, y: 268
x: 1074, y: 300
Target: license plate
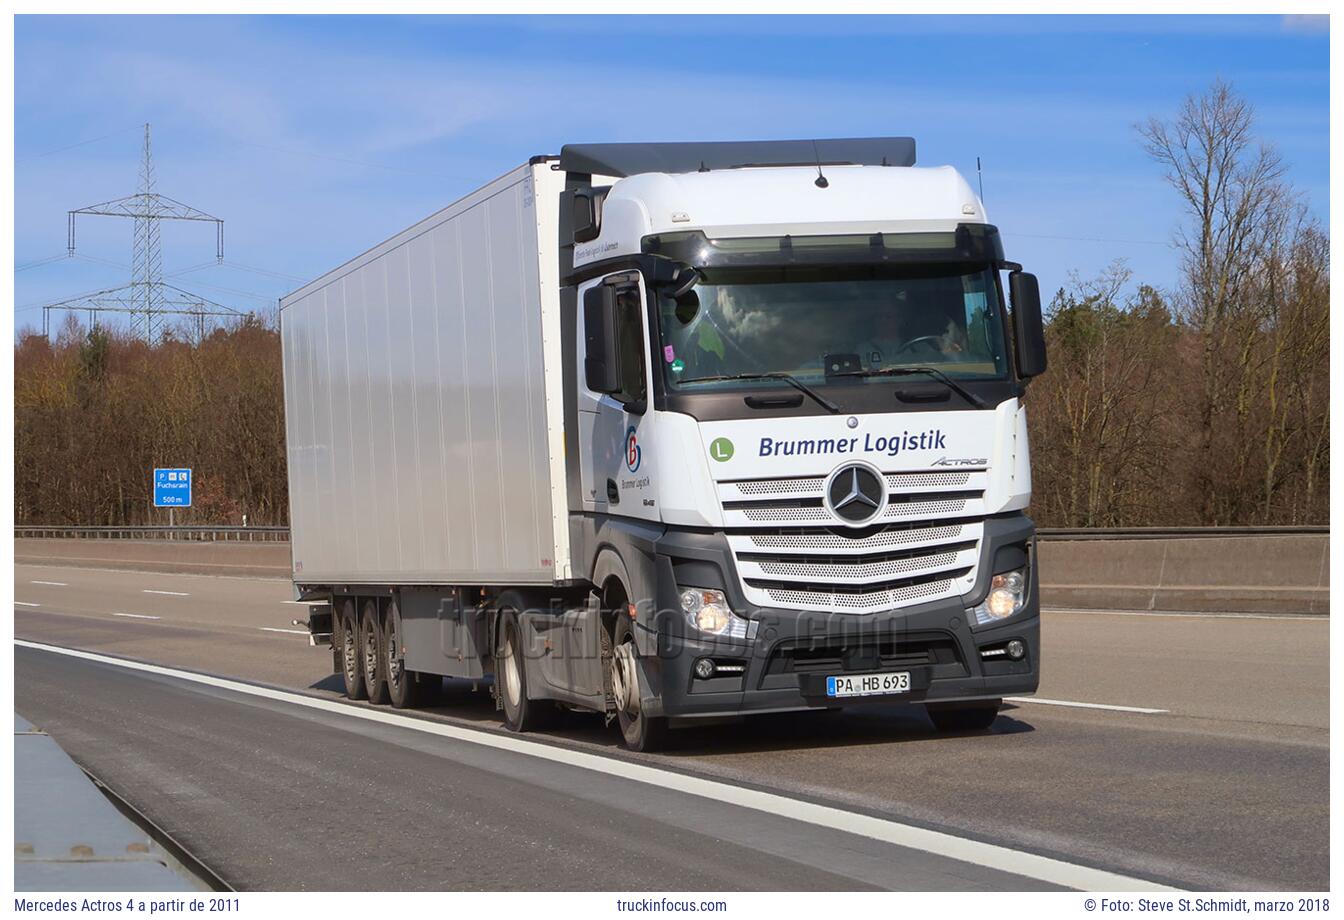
x: 868, y: 684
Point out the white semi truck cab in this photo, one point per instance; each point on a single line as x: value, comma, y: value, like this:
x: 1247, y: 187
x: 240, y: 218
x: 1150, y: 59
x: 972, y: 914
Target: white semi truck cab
x: 755, y: 410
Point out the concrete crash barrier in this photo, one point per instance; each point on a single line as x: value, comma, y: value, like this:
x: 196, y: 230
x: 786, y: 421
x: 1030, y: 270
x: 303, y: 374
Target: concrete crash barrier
x: 1246, y: 573
x: 69, y: 837
x: 1287, y: 574
x: 252, y: 560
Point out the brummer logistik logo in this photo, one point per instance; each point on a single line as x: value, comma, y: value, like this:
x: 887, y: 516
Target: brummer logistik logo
x: 891, y: 445
x: 633, y: 453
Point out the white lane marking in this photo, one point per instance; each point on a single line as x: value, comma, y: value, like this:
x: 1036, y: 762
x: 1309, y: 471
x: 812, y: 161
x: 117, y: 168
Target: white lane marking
x: 25, y: 604
x: 940, y: 843
x: 55, y: 584
x: 306, y: 603
x: 137, y: 616
x: 173, y: 593
x: 1106, y: 706
x: 1082, y: 611
x: 297, y: 632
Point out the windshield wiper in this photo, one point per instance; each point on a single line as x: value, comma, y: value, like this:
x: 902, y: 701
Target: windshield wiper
x: 774, y: 375
x: 931, y: 371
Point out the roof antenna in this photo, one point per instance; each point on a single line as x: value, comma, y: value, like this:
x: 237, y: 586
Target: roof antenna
x: 703, y: 167
x: 981, y: 178
x: 821, y: 179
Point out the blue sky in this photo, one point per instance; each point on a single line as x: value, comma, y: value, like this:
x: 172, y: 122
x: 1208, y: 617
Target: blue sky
x: 315, y: 137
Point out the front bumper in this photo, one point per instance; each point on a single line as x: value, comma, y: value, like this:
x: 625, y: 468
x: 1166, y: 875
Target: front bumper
x: 788, y: 654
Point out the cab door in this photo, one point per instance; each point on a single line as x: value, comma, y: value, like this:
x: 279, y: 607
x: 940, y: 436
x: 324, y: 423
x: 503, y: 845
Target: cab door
x: 615, y: 415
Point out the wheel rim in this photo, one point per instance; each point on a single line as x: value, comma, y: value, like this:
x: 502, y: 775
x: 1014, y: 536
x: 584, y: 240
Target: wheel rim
x: 370, y: 656
x: 350, y: 653
x: 624, y: 679
x: 512, y: 685
x: 395, y: 668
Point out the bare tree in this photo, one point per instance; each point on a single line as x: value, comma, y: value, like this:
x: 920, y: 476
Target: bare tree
x: 1241, y: 215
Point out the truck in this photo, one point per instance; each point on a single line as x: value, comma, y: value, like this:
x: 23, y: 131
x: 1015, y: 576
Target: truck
x: 675, y: 432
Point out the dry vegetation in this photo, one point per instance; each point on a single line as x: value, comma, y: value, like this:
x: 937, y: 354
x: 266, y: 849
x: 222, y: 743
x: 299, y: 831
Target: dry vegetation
x: 1206, y: 404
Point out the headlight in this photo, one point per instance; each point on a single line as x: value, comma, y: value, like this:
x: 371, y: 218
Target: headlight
x: 707, y: 610
x: 1007, y: 594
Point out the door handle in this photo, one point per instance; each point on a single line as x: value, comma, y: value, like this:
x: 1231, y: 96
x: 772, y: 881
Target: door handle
x: 613, y: 493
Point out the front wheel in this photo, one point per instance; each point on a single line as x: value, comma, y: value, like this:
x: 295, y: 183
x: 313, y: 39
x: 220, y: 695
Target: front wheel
x: 964, y: 717
x: 640, y: 732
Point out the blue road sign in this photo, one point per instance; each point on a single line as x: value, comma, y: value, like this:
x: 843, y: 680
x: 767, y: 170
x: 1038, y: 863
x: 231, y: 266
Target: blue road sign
x: 172, y: 488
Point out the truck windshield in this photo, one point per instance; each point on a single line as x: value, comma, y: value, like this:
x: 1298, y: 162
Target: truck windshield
x: 828, y: 325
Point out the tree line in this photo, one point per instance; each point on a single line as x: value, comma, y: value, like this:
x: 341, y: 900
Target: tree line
x: 1205, y: 403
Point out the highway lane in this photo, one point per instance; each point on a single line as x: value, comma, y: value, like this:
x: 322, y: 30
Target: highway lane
x: 1228, y: 788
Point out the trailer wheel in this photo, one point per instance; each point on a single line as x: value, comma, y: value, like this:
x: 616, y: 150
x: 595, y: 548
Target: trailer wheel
x: 638, y: 731
x: 520, y: 713
x: 964, y: 717
x: 403, y: 686
x: 346, y: 627
x: 371, y: 653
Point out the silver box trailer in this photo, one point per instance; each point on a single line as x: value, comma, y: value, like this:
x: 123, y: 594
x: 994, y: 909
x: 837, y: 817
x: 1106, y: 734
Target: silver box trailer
x: 422, y: 397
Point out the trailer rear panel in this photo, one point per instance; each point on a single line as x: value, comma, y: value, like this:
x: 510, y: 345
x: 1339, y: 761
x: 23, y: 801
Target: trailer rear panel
x: 423, y: 445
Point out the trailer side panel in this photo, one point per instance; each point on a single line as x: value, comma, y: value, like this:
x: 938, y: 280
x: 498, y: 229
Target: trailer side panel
x: 416, y: 410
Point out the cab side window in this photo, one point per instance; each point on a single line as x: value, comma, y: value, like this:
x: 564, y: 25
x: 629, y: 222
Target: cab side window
x: 630, y: 347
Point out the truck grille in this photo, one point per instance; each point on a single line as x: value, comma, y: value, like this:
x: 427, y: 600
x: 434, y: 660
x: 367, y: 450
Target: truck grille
x: 792, y: 551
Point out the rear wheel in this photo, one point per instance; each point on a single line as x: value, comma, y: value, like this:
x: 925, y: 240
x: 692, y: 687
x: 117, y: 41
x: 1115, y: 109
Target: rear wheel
x: 346, y: 629
x: 371, y: 653
x: 964, y: 717
x: 403, y: 686
x: 520, y: 713
x: 639, y: 731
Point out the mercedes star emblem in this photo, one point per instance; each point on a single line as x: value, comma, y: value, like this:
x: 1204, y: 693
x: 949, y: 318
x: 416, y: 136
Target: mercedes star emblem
x: 855, y: 493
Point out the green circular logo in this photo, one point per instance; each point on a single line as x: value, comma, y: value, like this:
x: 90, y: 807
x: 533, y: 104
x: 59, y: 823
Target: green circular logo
x: 721, y: 449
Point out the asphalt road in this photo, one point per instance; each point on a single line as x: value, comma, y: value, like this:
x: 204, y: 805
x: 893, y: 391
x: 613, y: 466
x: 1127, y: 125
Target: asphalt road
x: 1220, y: 782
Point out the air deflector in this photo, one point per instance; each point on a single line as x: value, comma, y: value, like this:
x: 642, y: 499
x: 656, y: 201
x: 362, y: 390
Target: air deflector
x: 621, y: 160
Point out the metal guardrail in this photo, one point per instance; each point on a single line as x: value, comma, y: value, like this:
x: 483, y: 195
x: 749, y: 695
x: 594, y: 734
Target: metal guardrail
x: 190, y: 532
x: 280, y: 533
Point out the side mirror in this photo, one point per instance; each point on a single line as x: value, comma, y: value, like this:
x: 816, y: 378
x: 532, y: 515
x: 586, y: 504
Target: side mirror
x: 1028, y: 325
x: 600, y: 367
x: 587, y: 213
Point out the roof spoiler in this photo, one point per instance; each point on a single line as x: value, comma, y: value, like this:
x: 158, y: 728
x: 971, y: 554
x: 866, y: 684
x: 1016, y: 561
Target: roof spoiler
x: 621, y: 160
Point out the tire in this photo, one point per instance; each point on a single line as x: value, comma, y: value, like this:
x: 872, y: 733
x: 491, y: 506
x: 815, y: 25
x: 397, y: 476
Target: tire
x: 520, y: 713
x: 371, y: 654
x: 347, y: 634
x: 638, y: 731
x: 964, y: 717
x: 403, y: 686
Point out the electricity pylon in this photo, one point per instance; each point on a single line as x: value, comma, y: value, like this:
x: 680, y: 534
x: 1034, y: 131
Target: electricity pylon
x: 148, y: 297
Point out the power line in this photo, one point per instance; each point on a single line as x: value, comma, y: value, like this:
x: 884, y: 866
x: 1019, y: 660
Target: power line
x: 264, y: 271
x: 350, y: 160
x: 193, y: 268
x: 92, y: 140
x: 38, y: 262
x: 97, y: 261
x: 228, y: 290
